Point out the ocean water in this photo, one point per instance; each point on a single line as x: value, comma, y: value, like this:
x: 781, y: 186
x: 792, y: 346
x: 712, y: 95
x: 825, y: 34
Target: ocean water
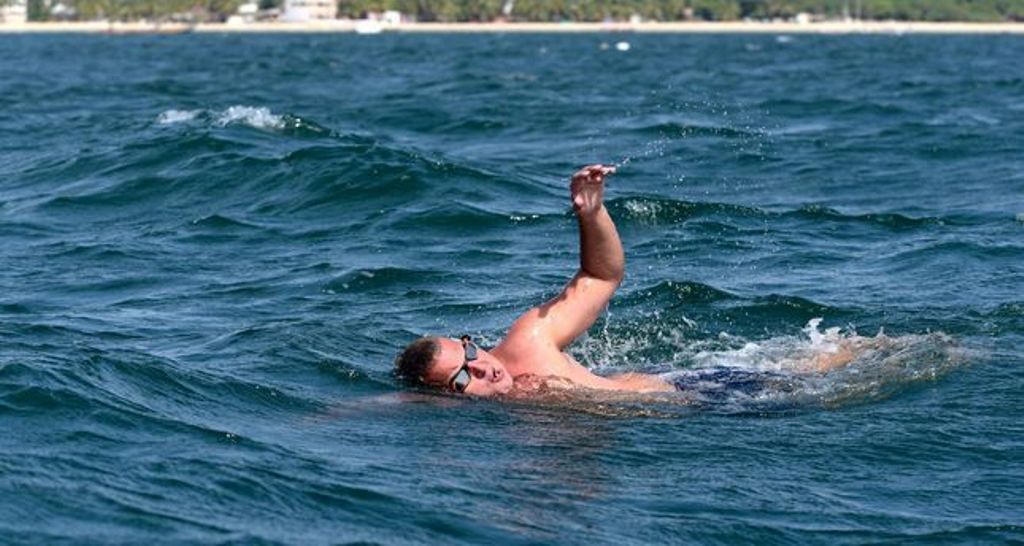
x: 213, y: 246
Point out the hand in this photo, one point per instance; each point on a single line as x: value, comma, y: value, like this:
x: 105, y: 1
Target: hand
x: 587, y: 188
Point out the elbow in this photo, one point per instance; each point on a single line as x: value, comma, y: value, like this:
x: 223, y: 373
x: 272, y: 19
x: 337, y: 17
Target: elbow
x: 619, y: 271
x: 615, y: 275
x: 615, y: 269
x: 610, y: 270
x: 612, y: 276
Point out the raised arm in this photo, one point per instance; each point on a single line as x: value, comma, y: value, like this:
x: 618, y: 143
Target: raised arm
x: 602, y: 265
x: 601, y: 255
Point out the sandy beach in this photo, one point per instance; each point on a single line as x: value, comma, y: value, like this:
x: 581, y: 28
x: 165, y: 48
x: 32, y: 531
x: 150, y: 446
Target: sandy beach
x: 836, y: 27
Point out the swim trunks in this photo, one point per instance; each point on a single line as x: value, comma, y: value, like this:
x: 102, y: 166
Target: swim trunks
x: 721, y: 383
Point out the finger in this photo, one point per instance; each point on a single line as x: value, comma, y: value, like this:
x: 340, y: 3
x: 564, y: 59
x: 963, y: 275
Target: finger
x: 592, y: 173
x: 601, y: 171
x: 581, y: 176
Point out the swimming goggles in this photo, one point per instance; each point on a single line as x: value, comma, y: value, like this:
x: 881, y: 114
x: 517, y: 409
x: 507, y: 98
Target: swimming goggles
x: 460, y: 381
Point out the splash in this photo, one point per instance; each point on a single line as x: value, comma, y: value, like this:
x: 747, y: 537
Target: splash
x: 646, y: 210
x: 818, y: 368
x: 177, y: 116
x: 257, y: 117
x: 649, y: 149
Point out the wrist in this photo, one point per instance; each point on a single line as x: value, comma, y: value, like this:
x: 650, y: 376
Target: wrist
x: 592, y: 211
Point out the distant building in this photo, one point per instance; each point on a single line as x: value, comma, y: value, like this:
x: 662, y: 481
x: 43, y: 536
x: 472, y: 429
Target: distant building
x: 14, y: 12
x: 299, y: 11
x: 246, y: 13
x: 62, y: 12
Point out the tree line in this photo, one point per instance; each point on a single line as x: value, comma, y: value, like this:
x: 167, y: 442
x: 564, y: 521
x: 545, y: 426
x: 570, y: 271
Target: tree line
x: 681, y: 10
x: 131, y: 10
x: 564, y: 10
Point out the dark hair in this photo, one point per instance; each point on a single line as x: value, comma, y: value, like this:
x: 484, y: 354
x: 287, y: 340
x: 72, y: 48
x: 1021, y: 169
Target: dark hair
x: 411, y: 366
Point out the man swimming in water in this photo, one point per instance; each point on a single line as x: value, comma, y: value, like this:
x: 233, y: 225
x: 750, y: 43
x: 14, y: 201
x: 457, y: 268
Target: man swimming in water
x: 534, y: 346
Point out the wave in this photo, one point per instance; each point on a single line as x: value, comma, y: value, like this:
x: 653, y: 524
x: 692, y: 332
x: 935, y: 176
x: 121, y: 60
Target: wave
x: 149, y: 392
x: 893, y: 221
x: 960, y: 249
x: 458, y: 218
x: 669, y: 293
x: 218, y: 170
x: 695, y: 129
x: 1006, y: 318
x: 473, y: 125
x: 659, y: 210
x: 673, y: 293
x: 830, y: 107
x: 14, y: 309
x: 963, y: 118
x: 219, y: 222
x: 257, y: 117
x: 27, y: 230
x: 1012, y: 309
x: 170, y: 117
x: 373, y: 279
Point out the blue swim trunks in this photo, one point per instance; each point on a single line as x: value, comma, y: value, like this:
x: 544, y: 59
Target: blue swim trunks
x: 721, y: 383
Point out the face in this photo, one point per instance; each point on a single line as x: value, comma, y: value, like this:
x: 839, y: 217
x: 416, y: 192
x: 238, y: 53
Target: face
x: 486, y: 374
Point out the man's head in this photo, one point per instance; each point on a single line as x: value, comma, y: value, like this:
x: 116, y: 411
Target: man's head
x: 453, y: 365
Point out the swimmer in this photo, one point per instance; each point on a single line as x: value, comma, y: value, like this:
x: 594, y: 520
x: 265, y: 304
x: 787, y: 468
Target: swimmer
x: 532, y: 354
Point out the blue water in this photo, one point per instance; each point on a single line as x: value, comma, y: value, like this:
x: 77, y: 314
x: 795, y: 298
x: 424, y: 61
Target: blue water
x: 212, y: 248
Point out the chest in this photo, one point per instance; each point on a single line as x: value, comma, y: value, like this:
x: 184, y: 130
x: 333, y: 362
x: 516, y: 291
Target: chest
x: 550, y: 362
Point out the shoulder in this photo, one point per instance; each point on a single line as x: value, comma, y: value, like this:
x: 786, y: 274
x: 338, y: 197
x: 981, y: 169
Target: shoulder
x: 527, y: 347
x: 527, y: 335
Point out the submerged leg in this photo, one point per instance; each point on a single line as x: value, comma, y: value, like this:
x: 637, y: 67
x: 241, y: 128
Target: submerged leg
x: 827, y: 361
x: 845, y: 351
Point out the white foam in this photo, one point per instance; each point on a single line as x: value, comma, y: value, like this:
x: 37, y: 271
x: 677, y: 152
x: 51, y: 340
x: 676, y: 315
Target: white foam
x: 786, y: 353
x: 258, y: 117
x: 879, y: 366
x: 177, y: 116
x: 823, y: 342
x: 645, y: 210
x: 964, y: 118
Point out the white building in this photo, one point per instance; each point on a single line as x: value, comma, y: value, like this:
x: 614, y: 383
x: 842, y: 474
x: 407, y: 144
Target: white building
x: 62, y: 12
x: 309, y: 10
x: 14, y: 12
x: 246, y: 13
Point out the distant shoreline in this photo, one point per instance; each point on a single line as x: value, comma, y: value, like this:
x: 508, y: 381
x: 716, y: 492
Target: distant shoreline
x: 348, y: 26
